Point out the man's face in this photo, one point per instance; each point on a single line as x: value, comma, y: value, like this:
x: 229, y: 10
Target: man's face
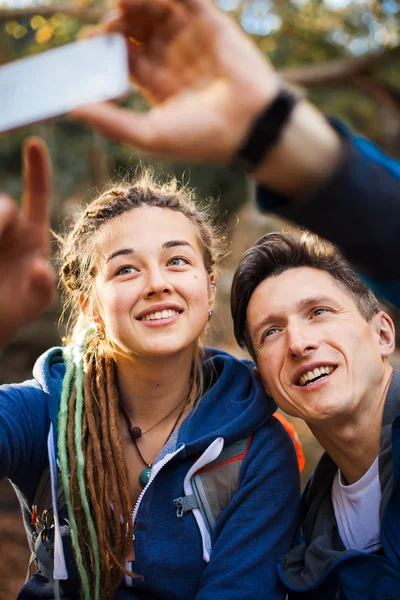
x: 316, y: 355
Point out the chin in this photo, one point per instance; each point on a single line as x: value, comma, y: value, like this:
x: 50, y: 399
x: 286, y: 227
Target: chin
x: 165, y: 350
x: 326, y: 413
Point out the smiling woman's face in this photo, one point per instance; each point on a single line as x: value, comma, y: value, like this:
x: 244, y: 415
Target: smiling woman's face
x: 152, y: 291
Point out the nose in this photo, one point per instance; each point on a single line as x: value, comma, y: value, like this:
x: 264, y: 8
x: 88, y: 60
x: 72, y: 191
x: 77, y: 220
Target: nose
x: 300, y: 341
x: 156, y: 283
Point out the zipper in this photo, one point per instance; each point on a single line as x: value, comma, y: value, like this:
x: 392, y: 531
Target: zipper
x: 154, y: 472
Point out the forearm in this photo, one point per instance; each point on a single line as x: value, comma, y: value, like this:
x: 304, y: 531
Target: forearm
x: 304, y: 157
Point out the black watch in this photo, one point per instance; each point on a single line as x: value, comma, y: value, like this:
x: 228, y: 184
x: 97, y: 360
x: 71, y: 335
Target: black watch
x: 265, y: 131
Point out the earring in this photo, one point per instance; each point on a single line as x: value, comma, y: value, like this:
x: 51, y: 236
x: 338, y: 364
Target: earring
x: 209, y: 315
x: 100, y: 334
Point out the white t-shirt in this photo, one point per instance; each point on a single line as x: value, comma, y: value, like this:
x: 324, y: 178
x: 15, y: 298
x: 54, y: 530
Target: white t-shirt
x: 356, y: 509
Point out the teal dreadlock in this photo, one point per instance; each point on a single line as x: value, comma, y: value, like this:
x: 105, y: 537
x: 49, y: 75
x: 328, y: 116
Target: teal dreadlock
x: 73, y: 383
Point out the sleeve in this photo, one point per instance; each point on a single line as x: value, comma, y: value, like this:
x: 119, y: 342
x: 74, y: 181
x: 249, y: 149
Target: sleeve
x: 24, y: 426
x: 358, y: 209
x: 259, y: 523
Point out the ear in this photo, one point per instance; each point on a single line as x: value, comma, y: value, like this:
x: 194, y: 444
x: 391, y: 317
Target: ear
x: 95, y: 319
x: 212, y: 290
x: 258, y: 376
x: 385, y: 330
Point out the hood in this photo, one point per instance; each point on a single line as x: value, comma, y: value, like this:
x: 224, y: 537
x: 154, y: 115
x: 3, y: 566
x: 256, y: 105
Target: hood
x: 49, y: 371
x: 233, y: 407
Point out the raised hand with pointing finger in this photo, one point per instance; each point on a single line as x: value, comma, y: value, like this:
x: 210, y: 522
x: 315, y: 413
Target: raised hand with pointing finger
x: 26, y: 279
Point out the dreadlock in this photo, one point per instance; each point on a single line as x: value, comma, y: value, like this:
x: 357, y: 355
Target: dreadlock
x: 93, y: 470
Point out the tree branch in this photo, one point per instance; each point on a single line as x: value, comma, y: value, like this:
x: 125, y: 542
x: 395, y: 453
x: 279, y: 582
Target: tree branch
x: 339, y: 71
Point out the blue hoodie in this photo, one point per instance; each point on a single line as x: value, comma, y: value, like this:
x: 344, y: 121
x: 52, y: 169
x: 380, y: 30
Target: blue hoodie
x: 175, y: 556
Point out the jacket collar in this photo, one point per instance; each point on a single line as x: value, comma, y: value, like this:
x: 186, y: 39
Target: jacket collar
x: 320, y: 546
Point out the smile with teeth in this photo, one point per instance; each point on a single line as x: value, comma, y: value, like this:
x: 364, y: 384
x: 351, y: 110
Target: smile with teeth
x: 162, y: 314
x: 312, y: 376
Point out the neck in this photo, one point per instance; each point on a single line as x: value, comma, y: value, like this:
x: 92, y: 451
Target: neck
x: 354, y: 442
x: 148, y: 390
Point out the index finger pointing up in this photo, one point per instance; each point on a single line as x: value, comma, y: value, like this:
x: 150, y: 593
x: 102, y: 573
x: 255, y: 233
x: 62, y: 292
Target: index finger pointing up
x: 37, y: 180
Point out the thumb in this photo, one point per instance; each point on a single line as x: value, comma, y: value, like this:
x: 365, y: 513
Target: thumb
x: 118, y: 123
x: 9, y: 214
x: 41, y: 285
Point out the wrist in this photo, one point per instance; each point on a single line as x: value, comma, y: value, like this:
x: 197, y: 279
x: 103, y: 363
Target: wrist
x: 305, y: 155
x: 265, y: 131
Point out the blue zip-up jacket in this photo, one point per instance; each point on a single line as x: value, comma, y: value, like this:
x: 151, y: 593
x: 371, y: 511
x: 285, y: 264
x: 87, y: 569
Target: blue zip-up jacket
x: 175, y: 556
x: 358, y: 209
x: 319, y: 566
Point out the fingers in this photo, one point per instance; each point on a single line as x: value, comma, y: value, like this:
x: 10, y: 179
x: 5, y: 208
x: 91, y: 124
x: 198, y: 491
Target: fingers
x: 117, y: 123
x: 37, y: 181
x: 9, y: 214
x: 152, y: 6
x: 41, y: 287
x: 157, y: 81
x: 145, y: 20
x: 90, y: 31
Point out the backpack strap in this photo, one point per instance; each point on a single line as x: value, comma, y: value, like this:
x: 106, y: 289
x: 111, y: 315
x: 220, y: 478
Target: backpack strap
x: 42, y: 544
x: 42, y: 501
x: 215, y: 485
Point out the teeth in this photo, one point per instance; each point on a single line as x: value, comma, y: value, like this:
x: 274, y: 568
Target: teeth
x: 311, y: 375
x: 160, y: 315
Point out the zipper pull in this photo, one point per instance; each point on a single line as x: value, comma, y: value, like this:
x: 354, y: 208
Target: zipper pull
x: 184, y: 504
x: 179, y: 507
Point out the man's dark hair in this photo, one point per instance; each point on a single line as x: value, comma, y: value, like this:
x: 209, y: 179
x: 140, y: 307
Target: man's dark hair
x: 277, y: 252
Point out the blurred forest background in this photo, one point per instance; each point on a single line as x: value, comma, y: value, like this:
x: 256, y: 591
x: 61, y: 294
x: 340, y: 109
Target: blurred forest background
x: 343, y: 53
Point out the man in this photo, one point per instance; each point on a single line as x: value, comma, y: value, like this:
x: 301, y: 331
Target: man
x: 321, y: 347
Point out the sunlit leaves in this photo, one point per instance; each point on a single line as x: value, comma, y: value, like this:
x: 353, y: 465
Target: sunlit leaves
x: 16, y: 30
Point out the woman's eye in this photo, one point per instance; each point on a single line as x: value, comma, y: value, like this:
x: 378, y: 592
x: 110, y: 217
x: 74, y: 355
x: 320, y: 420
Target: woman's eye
x: 177, y: 261
x: 127, y: 270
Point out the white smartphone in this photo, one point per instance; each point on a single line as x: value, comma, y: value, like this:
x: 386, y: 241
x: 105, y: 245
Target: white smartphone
x: 56, y: 81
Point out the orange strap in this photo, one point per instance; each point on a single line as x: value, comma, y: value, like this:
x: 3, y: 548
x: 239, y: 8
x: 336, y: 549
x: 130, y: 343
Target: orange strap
x: 295, y: 439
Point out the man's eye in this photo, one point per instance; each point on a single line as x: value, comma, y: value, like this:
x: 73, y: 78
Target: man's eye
x: 270, y: 332
x: 177, y: 261
x: 126, y: 270
x: 319, y: 311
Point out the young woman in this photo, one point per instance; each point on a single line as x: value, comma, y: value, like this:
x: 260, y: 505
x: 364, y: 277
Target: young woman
x: 116, y: 424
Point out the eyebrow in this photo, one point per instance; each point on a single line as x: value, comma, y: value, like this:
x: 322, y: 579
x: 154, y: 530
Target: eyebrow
x: 121, y: 252
x: 320, y: 299
x: 166, y: 245
x: 304, y: 303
